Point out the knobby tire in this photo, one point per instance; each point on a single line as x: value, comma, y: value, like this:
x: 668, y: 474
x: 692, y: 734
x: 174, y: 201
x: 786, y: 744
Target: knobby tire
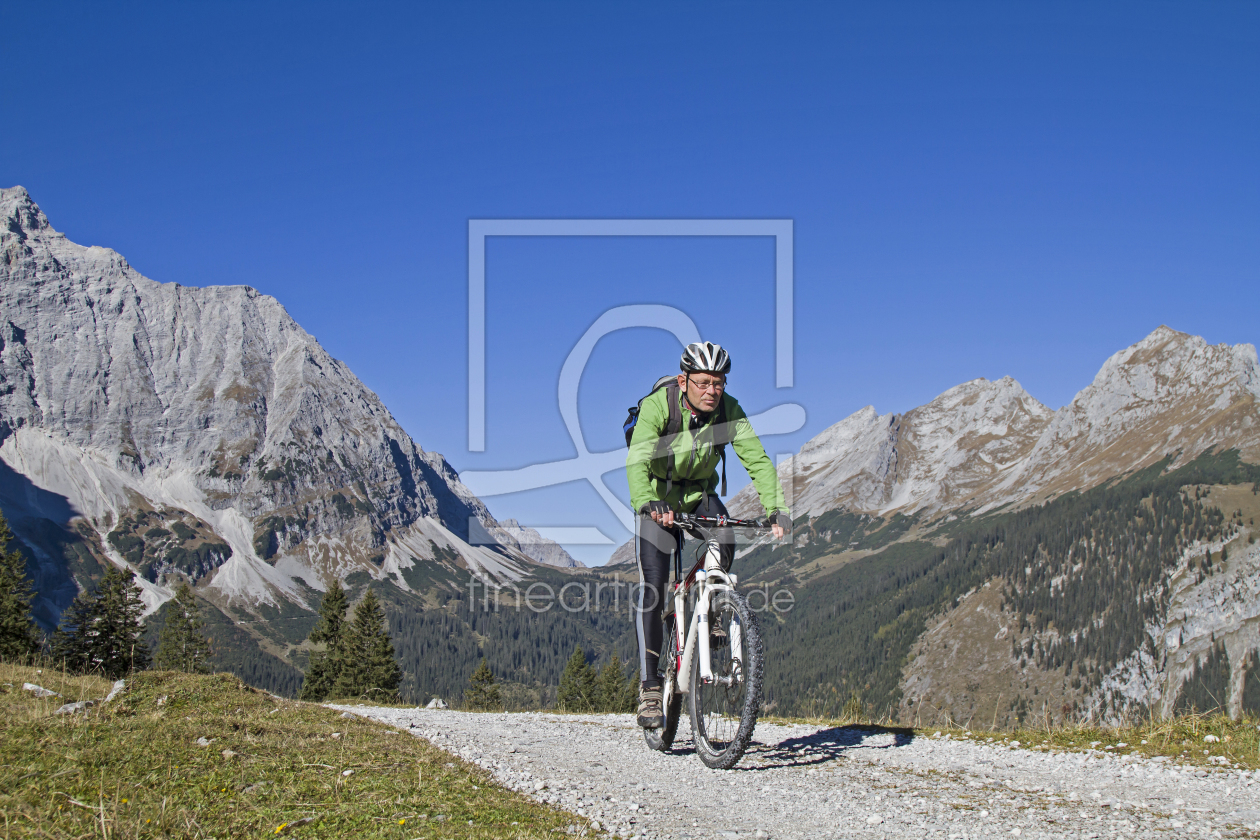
x: 722, y: 718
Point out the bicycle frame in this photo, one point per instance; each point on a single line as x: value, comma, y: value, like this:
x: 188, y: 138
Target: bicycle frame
x: 725, y: 688
x: 703, y: 584
x: 696, y: 643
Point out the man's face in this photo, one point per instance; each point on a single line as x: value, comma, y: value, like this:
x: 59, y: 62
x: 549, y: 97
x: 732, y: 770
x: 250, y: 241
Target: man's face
x: 703, y: 389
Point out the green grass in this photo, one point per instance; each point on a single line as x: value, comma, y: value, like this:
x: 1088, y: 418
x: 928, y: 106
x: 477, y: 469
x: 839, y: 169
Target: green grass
x: 1181, y: 738
x: 274, y: 767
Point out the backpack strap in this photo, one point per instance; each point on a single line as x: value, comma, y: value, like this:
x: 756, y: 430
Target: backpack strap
x: 721, y: 437
x: 673, y: 425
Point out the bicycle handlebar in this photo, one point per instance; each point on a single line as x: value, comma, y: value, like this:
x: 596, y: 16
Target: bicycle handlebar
x: 691, y: 519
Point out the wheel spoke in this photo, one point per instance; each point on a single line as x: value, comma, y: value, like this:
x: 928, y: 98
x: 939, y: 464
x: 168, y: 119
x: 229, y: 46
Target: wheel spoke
x: 724, y: 707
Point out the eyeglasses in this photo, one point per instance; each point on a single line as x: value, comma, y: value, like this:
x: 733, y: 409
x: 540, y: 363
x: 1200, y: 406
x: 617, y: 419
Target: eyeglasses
x: 718, y: 387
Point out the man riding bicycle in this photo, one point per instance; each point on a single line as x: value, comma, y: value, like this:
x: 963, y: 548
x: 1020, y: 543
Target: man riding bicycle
x: 680, y: 474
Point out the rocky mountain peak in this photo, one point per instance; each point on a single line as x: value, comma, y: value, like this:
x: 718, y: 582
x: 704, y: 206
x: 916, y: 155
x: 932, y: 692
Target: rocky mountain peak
x: 1170, y: 394
x: 537, y: 547
x: 986, y: 443
x: 1168, y: 364
x: 932, y: 457
x: 20, y: 213
x: 982, y: 401
x: 128, y: 405
x: 835, y: 438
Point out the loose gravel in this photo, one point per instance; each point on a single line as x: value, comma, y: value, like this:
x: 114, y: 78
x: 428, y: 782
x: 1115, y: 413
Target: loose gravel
x: 800, y: 781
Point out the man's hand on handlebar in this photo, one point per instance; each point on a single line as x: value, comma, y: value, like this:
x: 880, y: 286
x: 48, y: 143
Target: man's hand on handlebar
x: 661, y: 513
x: 779, y: 523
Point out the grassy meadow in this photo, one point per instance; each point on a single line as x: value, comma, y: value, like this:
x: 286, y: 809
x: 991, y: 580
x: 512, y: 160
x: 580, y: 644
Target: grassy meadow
x: 135, y: 768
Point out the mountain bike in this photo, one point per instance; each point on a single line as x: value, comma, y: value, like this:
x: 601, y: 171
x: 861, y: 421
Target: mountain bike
x: 713, y: 651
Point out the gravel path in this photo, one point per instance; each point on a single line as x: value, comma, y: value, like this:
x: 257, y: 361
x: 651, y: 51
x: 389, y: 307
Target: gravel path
x: 806, y: 782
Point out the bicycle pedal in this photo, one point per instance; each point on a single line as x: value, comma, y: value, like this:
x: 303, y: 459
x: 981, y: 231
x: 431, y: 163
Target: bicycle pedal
x: 718, y: 639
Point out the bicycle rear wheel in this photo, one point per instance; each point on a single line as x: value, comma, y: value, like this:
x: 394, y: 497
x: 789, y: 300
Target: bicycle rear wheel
x: 671, y: 701
x: 724, y: 710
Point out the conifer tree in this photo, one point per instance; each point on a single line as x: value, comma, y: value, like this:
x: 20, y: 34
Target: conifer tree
x: 482, y: 694
x: 19, y: 637
x: 181, y: 647
x: 72, y: 643
x: 369, y: 667
x: 579, y: 684
x: 617, y: 693
x: 123, y: 649
x: 101, y: 631
x: 326, y: 664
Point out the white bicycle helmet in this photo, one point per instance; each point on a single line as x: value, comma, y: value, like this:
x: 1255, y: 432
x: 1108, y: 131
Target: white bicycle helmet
x: 705, y: 357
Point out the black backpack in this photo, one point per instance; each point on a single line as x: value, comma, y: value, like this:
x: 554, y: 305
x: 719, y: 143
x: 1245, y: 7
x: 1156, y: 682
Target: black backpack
x: 674, y: 425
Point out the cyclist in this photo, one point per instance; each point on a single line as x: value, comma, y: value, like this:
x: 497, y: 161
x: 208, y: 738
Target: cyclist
x: 681, y: 475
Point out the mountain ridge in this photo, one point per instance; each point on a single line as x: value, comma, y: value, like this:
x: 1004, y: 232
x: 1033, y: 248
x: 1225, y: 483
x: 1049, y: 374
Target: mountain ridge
x: 981, y: 445
x: 1003, y: 441
x: 119, y: 393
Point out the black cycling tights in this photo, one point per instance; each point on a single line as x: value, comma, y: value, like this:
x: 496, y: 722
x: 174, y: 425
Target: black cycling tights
x: 655, y: 547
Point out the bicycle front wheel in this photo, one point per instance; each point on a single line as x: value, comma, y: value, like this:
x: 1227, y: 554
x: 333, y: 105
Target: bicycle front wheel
x: 671, y: 701
x: 724, y: 709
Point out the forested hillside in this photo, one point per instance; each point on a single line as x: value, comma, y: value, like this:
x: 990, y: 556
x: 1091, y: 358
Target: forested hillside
x: 527, y: 649
x: 235, y: 651
x: 440, y: 636
x: 1088, y: 567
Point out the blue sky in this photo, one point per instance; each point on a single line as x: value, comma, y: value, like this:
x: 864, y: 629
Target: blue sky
x: 977, y: 189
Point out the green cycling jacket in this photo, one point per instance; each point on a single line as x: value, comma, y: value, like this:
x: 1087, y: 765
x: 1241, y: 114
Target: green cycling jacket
x: 695, y: 457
